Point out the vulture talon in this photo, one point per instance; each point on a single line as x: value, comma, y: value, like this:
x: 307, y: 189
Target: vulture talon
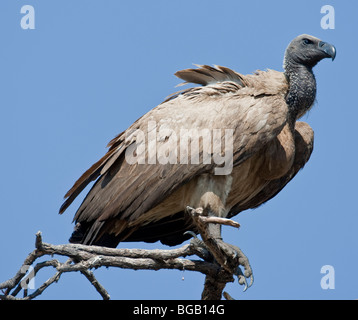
x: 229, y: 256
x: 251, y: 280
x: 189, y: 209
x: 195, y: 241
x: 200, y: 248
x: 238, y: 257
x: 192, y: 233
x: 243, y: 276
x: 193, y: 211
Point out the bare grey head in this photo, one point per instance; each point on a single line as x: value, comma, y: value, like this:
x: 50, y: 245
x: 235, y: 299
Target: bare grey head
x: 308, y: 51
x: 301, y: 55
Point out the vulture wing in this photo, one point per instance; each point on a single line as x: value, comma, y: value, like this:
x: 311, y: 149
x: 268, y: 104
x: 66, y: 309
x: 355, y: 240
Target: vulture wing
x: 304, y: 147
x: 252, y: 106
x: 171, y: 230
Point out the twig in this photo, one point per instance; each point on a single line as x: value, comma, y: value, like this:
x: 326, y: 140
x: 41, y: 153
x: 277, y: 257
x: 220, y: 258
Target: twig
x: 218, y: 220
x: 100, y: 289
x: 227, y: 296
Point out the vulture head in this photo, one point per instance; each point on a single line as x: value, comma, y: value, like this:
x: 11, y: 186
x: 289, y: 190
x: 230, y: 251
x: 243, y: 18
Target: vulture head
x: 308, y: 51
x: 301, y: 55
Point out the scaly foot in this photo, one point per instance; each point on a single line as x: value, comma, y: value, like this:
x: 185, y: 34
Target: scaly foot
x: 228, y: 256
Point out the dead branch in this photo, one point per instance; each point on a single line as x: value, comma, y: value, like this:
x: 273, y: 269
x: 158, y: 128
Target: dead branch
x: 83, y: 258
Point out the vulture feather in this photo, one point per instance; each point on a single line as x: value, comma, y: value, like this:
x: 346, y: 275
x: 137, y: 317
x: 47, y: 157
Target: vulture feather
x: 146, y: 201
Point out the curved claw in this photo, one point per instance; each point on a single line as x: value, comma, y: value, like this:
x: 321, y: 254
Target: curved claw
x: 192, y: 233
x: 242, y: 279
x: 199, y: 246
x: 244, y: 282
x: 195, y: 240
x: 250, y: 284
x: 251, y: 280
x: 246, y: 287
x: 190, y: 209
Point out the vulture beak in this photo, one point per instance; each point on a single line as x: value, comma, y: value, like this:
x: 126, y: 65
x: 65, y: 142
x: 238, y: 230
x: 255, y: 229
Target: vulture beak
x: 328, y: 49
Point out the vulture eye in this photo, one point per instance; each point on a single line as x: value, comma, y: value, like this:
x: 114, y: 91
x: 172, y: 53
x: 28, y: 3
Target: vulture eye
x: 307, y: 41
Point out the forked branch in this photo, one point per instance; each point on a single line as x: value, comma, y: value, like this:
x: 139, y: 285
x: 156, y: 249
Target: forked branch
x: 84, y: 258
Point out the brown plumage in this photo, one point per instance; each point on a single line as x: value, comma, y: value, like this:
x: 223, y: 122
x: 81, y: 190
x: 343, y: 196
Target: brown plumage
x: 146, y: 202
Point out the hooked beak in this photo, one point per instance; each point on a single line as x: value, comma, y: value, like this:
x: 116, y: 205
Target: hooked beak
x: 328, y: 49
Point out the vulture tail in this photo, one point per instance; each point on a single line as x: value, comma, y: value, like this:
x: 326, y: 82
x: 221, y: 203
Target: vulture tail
x: 83, y: 234
x: 169, y: 231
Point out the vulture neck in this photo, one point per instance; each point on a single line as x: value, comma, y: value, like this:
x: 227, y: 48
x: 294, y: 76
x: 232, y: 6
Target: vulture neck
x: 302, y: 88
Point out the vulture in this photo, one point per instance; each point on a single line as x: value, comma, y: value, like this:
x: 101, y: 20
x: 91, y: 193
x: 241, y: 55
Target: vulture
x: 227, y: 145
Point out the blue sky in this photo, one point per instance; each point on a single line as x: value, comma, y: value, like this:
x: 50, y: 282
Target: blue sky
x: 91, y: 68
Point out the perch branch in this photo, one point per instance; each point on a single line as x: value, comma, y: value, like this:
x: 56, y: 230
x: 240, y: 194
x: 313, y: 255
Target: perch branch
x: 83, y: 258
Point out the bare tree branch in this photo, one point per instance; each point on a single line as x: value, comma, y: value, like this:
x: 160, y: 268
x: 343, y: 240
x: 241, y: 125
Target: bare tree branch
x: 83, y: 258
